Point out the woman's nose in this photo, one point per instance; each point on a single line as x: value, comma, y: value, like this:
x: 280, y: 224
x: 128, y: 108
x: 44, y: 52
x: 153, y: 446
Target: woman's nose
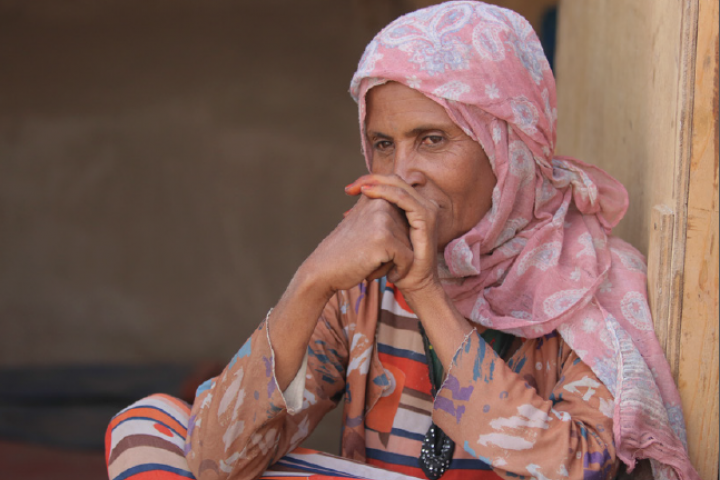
x: 406, y: 167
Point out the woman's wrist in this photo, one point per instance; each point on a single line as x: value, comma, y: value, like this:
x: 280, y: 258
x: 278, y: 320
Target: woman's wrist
x: 292, y: 321
x: 445, y: 326
x: 429, y: 296
x: 312, y: 285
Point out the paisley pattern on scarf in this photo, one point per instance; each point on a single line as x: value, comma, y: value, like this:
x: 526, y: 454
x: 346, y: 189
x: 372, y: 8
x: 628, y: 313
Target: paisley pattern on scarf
x: 543, y: 258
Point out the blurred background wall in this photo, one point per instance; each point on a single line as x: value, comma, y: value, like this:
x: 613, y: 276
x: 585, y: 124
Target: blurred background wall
x: 165, y: 166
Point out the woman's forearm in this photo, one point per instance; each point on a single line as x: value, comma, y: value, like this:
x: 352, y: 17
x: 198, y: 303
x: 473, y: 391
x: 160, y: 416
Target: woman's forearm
x: 446, y: 328
x: 495, y: 412
x: 239, y: 420
x: 292, y: 321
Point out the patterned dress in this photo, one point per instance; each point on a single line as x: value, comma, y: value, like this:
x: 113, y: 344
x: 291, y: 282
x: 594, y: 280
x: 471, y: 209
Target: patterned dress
x: 541, y: 413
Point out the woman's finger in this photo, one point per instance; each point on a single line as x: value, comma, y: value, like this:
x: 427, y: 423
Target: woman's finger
x: 381, y: 271
x: 374, y: 181
x: 400, y: 250
x: 420, y: 213
x: 403, y: 258
x: 354, y: 187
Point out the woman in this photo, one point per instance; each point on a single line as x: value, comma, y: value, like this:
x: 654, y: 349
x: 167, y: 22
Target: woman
x: 472, y: 308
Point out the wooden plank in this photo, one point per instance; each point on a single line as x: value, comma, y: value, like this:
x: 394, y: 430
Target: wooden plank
x: 624, y: 104
x: 698, y: 363
x: 667, y: 327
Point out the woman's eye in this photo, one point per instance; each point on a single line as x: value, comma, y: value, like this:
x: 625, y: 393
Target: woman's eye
x: 383, y: 145
x: 433, y: 139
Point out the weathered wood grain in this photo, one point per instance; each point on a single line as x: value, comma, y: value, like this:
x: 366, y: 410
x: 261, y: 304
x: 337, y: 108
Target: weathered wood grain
x: 667, y: 327
x: 699, y: 356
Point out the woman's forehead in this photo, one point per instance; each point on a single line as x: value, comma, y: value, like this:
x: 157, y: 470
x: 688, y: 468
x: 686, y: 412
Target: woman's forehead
x: 396, y: 98
x: 393, y: 104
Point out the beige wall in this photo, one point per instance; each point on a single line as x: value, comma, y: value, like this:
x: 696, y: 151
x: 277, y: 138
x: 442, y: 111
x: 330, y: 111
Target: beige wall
x: 164, y: 168
x: 619, y: 99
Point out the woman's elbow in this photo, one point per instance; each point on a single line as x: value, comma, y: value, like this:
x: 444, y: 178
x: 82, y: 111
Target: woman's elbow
x: 219, y: 457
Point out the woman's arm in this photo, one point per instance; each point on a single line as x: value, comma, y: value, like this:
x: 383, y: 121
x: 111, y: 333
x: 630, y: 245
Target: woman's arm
x: 364, y: 245
x: 288, y: 325
x: 240, y: 421
x: 493, y: 411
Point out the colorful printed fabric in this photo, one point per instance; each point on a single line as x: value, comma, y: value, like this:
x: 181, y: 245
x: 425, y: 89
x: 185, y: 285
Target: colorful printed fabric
x: 396, y: 426
x: 541, y: 414
x: 542, y: 259
x: 147, y: 440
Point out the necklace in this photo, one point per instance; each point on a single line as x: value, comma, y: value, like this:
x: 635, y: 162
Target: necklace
x: 437, y: 449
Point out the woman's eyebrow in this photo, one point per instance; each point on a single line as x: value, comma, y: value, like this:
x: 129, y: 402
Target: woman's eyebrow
x: 414, y: 132
x: 425, y: 128
x: 373, y: 133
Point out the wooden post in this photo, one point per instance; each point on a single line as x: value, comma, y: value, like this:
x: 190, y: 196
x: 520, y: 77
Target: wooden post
x: 698, y: 359
x: 638, y: 96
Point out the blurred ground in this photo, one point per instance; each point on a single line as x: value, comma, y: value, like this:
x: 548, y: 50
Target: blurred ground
x: 25, y: 461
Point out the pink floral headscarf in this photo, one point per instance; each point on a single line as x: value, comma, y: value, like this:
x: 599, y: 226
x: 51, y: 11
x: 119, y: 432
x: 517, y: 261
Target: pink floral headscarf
x: 542, y: 259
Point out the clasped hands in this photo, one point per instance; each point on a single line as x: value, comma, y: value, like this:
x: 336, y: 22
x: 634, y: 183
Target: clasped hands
x: 391, y: 230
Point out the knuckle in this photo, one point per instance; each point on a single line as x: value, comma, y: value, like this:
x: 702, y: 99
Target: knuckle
x: 404, y: 194
x: 379, y: 235
x: 377, y: 204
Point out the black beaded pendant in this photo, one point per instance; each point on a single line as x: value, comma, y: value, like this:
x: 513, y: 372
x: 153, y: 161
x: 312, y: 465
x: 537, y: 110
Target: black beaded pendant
x: 436, y: 453
x: 437, y: 449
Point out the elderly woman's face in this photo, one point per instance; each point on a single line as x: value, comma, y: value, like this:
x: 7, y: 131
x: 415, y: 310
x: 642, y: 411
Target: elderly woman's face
x: 412, y: 137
